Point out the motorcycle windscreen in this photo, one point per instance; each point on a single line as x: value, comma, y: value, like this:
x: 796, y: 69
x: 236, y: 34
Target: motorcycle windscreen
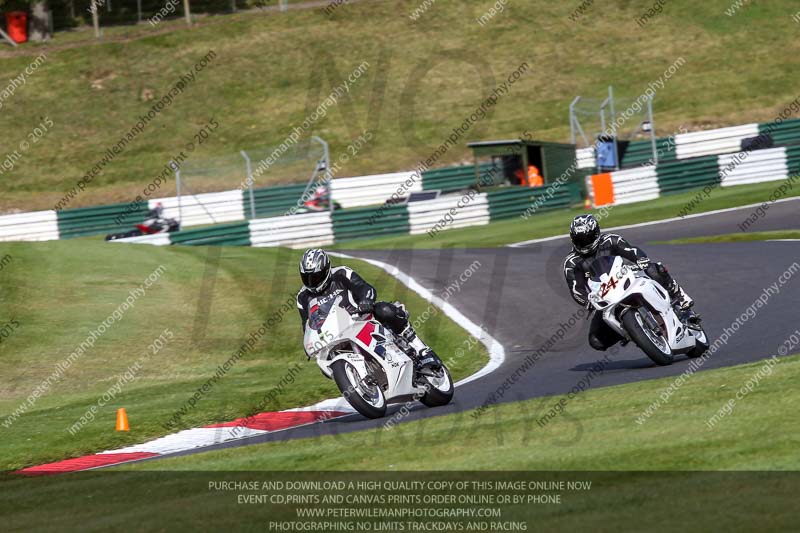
x: 318, y: 314
x: 601, y: 265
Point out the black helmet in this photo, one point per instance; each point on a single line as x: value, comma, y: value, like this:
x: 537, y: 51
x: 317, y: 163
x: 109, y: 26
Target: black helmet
x: 585, y: 234
x: 315, y: 269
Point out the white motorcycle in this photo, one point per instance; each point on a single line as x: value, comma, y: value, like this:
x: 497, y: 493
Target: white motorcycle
x: 367, y: 362
x: 639, y: 309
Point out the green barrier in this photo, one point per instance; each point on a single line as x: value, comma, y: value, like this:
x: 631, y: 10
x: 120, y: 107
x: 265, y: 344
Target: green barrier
x: 456, y: 178
x: 273, y: 201
x: 234, y: 234
x: 577, y: 189
x: 368, y: 222
x: 679, y: 176
x: 640, y: 153
x: 509, y: 202
x: 100, y: 219
x: 783, y: 134
x: 793, y: 160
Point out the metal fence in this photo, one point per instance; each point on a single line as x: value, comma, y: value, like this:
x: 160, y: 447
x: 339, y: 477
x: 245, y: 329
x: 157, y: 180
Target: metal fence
x: 252, y: 169
x: 67, y: 14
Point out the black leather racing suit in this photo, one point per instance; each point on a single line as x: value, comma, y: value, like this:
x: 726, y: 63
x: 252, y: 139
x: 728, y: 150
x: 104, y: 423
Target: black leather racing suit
x: 354, y: 290
x: 576, y: 267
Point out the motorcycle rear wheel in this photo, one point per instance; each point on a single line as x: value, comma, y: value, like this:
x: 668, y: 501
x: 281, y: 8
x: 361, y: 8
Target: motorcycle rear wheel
x: 367, y: 400
x: 124, y: 235
x: 635, y: 325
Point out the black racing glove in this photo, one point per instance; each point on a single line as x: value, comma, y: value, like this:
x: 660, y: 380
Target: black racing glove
x: 643, y: 263
x: 366, y: 307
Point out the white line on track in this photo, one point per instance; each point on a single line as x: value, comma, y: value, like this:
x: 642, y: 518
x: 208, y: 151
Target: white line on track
x: 199, y: 438
x: 655, y: 222
x: 497, y: 353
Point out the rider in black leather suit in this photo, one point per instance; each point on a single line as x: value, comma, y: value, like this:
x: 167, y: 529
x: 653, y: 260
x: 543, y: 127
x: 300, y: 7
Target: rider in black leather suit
x: 588, y: 243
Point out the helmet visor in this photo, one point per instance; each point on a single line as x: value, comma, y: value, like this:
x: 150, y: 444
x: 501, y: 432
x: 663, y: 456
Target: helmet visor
x: 314, y: 280
x: 585, y: 242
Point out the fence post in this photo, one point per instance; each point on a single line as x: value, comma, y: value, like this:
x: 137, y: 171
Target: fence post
x: 187, y: 12
x: 178, y: 190
x: 652, y: 129
x: 95, y: 20
x: 249, y: 183
x: 613, y: 125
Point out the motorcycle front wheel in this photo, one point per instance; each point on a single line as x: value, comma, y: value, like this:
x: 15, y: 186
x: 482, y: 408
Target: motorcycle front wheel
x: 439, y: 388
x: 701, y: 343
x: 367, y: 399
x: 652, y: 342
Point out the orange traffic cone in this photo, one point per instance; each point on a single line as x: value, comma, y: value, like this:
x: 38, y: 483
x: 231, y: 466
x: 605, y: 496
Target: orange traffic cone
x: 122, y: 420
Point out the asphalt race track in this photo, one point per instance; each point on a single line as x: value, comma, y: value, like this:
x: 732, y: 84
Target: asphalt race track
x: 520, y: 297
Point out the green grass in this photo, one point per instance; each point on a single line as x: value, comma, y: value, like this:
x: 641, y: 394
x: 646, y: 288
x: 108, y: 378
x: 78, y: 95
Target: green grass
x: 598, y: 432
x: 741, y: 237
x: 424, y: 78
x: 552, y: 223
x: 58, y: 292
x: 596, y: 439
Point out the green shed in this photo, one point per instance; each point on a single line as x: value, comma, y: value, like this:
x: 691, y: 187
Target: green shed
x: 551, y: 158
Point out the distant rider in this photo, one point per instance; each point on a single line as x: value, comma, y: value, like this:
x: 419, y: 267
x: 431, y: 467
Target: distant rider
x: 321, y: 283
x: 588, y: 243
x: 157, y: 212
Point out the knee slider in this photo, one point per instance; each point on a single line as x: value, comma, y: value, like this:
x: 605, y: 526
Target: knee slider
x: 595, y: 343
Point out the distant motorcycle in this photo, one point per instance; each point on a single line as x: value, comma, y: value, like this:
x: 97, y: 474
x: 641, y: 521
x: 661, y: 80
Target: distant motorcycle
x: 369, y: 363
x: 150, y: 226
x: 318, y: 202
x: 639, y: 309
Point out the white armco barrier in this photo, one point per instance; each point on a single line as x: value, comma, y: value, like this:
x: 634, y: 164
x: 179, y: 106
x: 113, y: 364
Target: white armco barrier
x: 207, y: 208
x: 585, y: 157
x: 711, y: 142
x: 453, y: 211
x: 157, y: 239
x: 635, y: 185
x: 753, y: 167
x: 295, y: 231
x: 34, y: 226
x: 375, y: 189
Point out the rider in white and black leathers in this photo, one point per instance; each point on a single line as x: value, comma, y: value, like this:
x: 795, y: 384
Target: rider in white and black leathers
x: 157, y: 212
x: 588, y: 243
x: 321, y: 283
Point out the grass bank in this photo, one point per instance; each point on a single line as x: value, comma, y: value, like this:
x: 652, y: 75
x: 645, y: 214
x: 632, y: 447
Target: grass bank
x: 210, y: 300
x: 425, y: 75
x: 599, y: 431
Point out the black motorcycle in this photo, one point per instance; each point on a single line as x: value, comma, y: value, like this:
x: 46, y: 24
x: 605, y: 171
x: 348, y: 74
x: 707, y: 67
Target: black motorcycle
x: 151, y: 226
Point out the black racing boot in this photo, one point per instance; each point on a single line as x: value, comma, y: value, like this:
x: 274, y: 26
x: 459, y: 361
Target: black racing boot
x: 679, y: 297
x: 428, y: 360
x: 424, y: 358
x: 683, y: 305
